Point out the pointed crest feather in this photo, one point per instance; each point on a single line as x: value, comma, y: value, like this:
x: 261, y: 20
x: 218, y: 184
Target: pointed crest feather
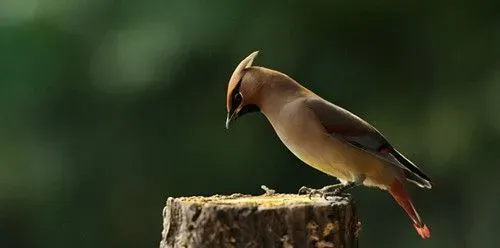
x: 237, y: 74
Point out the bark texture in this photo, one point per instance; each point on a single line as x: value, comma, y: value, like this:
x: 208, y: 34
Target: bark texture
x: 269, y: 220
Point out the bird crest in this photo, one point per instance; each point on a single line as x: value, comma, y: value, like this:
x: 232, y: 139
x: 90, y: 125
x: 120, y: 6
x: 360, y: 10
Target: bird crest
x: 237, y: 75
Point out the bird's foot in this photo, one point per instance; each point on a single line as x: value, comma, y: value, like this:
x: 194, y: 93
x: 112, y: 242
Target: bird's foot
x: 310, y: 191
x: 341, y: 191
x: 325, y: 192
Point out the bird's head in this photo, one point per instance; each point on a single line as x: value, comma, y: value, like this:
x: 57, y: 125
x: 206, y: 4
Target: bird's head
x: 241, y: 90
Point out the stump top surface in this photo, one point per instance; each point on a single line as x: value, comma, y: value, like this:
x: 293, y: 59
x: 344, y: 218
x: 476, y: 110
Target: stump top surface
x: 265, y: 200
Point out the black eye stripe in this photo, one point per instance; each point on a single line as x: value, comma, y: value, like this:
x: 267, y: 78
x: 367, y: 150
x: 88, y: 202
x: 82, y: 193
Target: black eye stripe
x: 237, y: 98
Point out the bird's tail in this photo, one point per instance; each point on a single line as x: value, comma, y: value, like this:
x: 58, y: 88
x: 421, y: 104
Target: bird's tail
x: 402, y: 198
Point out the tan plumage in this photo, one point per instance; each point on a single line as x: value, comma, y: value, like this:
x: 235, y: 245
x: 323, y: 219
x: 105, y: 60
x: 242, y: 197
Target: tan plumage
x: 323, y: 135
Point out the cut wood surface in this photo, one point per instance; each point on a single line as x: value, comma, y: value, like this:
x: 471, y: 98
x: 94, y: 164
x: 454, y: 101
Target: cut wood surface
x: 268, y: 220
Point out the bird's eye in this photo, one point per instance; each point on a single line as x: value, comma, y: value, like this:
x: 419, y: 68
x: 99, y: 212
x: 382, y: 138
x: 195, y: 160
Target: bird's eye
x: 237, y: 98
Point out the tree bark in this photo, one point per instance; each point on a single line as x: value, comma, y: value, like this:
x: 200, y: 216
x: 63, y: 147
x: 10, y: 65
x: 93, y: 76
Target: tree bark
x: 269, y: 220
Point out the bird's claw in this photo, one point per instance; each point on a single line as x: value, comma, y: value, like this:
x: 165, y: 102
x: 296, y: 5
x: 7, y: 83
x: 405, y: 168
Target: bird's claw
x: 325, y: 192
x: 336, y: 192
x: 309, y: 191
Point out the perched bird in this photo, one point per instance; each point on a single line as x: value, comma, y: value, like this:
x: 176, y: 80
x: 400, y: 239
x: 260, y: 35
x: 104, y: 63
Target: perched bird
x: 324, y: 136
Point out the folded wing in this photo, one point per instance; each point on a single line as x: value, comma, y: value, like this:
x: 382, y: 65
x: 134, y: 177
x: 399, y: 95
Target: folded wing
x: 344, y: 125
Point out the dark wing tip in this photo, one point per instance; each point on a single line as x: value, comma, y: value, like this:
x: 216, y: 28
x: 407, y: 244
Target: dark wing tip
x: 420, y: 182
x: 413, y: 173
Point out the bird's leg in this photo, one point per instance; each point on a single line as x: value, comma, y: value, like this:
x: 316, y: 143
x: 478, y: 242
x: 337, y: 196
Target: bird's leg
x: 335, y: 189
x: 358, y: 180
x: 321, y: 192
x: 341, y: 190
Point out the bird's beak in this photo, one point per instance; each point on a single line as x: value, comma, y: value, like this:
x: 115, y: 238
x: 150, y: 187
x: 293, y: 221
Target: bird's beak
x: 230, y: 117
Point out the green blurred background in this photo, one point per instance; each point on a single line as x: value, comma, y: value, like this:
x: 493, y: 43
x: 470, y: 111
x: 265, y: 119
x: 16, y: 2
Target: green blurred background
x: 109, y: 107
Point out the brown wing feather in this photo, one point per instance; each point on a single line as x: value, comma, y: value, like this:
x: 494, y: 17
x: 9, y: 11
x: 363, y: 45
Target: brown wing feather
x: 338, y: 121
x: 344, y: 125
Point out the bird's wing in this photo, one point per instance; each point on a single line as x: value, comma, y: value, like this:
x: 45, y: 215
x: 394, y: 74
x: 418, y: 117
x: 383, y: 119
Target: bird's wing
x: 344, y: 125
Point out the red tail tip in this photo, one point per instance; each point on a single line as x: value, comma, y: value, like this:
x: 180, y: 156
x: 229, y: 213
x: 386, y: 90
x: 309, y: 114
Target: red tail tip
x: 423, y: 231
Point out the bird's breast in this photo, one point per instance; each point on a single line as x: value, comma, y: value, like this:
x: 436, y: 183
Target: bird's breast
x: 306, y: 139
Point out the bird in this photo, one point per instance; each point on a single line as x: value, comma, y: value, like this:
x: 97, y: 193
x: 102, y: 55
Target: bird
x: 324, y: 136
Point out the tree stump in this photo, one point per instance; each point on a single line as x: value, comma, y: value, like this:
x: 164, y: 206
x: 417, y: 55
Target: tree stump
x: 269, y: 220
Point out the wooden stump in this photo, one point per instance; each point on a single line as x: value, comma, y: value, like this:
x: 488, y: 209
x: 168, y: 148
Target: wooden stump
x: 269, y: 220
